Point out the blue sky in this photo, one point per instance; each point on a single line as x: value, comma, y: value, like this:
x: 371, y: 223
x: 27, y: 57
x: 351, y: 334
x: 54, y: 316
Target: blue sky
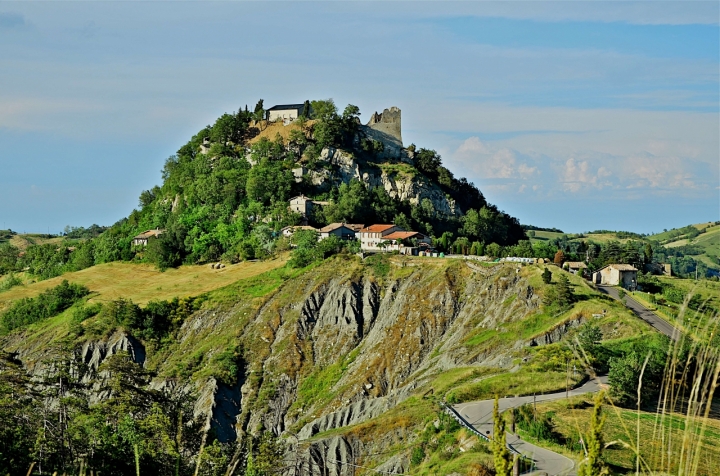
x: 577, y: 115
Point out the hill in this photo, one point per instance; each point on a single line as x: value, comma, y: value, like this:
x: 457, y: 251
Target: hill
x: 352, y: 357
x: 702, y: 240
x: 225, y: 194
x: 143, y: 283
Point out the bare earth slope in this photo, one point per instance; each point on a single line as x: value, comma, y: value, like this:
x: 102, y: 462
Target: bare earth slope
x: 349, y: 357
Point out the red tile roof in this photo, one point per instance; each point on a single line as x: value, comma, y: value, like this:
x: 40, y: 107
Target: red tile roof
x: 402, y: 235
x: 376, y: 228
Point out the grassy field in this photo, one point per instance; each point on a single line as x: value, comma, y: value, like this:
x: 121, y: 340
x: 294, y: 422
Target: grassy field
x: 143, y: 283
x: 272, y: 129
x: 666, y: 234
x: 709, y: 241
x: 571, y: 418
x: 596, y: 237
x: 23, y: 241
x: 545, y: 235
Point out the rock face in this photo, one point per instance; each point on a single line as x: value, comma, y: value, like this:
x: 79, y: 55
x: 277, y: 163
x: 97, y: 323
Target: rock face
x: 333, y: 349
x: 411, y: 187
x: 386, y: 127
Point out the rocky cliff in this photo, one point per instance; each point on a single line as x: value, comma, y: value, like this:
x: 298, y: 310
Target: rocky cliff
x: 398, y: 177
x: 328, y: 357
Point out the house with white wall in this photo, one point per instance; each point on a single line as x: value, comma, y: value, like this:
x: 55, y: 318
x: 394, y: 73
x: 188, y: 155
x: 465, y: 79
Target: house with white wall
x: 286, y: 113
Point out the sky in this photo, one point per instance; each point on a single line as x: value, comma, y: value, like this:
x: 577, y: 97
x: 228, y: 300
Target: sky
x: 576, y: 115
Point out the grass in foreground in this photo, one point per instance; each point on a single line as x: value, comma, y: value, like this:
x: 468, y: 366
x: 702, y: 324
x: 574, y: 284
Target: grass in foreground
x: 571, y: 418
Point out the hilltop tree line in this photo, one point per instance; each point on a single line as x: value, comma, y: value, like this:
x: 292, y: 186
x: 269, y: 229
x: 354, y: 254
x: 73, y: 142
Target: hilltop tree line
x: 225, y: 198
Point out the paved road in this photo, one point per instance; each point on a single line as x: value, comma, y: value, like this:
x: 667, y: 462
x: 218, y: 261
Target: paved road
x: 660, y: 324
x: 480, y: 415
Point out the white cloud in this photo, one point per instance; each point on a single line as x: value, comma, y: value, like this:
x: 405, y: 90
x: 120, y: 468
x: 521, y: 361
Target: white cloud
x: 580, y: 174
x: 494, y: 163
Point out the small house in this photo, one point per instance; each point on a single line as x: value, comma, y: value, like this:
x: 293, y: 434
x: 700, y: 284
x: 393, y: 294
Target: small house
x: 285, y: 112
x: 143, y: 238
x: 575, y: 267
x: 288, y: 231
x: 341, y: 230
x: 624, y: 275
x: 304, y: 205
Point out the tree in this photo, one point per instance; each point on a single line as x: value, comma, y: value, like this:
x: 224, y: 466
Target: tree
x: 593, y: 464
x: 648, y: 253
x: 259, y: 111
x: 402, y: 221
x: 305, y: 251
x: 493, y: 250
x: 611, y: 253
x: 559, y: 258
x: 631, y: 254
x: 427, y: 161
x: 624, y: 374
x: 501, y: 455
x: 547, y: 276
x: 564, y: 294
x: 461, y: 245
x: 351, y: 205
x: 306, y: 109
x: 589, y: 336
x: 523, y: 249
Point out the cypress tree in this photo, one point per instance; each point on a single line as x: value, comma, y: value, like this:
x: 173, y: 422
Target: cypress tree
x: 564, y: 292
x: 501, y: 455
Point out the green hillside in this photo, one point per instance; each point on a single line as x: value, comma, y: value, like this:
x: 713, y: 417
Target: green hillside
x: 270, y: 329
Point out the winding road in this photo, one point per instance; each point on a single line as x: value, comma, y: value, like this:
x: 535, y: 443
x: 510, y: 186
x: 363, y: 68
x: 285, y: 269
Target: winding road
x: 480, y: 416
x: 657, y: 322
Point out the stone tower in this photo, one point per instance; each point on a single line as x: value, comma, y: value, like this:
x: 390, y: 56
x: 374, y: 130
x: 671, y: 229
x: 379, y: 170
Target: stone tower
x: 387, y: 122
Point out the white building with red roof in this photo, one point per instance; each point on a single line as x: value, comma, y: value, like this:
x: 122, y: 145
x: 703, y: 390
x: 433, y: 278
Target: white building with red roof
x: 388, y: 238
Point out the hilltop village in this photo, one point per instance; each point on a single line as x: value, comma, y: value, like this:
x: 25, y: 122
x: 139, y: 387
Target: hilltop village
x: 306, y: 294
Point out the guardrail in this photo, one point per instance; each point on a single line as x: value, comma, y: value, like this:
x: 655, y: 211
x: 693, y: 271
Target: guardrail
x: 451, y: 411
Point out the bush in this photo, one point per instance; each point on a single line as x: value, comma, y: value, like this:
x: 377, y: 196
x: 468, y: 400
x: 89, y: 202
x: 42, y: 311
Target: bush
x: 538, y: 426
x: 48, y: 304
x: 10, y: 281
x: 418, y: 455
x: 156, y: 321
x: 379, y: 264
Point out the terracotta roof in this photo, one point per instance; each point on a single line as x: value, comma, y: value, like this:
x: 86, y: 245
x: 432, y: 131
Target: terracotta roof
x: 576, y: 264
x: 376, y: 228
x: 402, y: 235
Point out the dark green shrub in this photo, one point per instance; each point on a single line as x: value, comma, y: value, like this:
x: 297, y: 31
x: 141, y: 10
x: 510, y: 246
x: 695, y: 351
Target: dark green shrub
x: 48, y: 304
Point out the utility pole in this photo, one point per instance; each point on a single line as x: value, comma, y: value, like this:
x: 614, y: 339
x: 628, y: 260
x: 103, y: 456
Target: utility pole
x: 567, y: 378
x: 534, y: 406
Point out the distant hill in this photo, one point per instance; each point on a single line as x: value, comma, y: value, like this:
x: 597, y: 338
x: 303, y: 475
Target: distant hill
x: 702, y: 240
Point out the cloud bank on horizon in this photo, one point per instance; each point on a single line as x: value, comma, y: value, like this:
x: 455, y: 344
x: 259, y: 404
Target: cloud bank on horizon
x: 579, y: 115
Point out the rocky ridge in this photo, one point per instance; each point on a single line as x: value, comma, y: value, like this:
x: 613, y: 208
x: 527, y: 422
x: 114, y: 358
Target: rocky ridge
x: 332, y: 349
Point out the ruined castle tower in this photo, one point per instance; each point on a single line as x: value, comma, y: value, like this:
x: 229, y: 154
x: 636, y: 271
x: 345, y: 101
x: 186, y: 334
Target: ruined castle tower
x: 388, y: 122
